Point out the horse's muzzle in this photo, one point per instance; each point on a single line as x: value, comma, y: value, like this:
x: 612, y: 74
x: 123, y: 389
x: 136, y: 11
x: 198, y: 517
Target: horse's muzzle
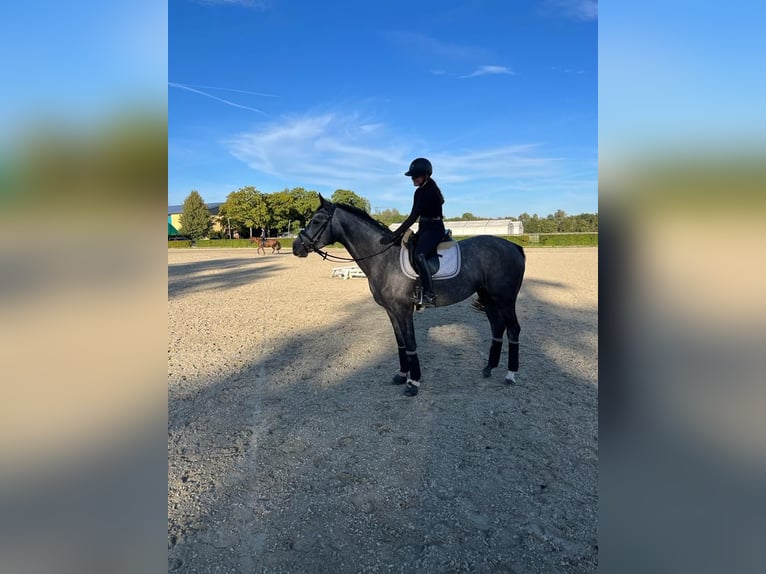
x: 299, y: 248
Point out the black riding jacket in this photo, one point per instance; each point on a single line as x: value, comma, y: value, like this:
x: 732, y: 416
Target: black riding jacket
x: 427, y: 202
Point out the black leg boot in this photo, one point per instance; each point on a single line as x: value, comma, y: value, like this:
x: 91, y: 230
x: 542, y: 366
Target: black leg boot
x: 429, y: 298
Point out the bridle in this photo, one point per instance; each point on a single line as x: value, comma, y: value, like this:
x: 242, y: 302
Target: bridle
x: 309, y: 242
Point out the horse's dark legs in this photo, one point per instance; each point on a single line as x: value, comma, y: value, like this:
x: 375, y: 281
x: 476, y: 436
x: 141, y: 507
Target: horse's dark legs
x: 404, y: 369
x: 497, y: 324
x: 502, y: 321
x: 413, y: 382
x: 514, y: 330
x: 409, y: 364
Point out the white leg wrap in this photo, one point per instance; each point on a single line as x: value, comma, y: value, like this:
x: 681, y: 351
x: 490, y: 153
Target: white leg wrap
x: 413, y: 383
x: 511, y: 376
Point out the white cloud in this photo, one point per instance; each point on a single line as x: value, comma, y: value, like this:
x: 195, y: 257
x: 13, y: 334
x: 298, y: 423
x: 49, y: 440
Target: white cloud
x: 370, y: 127
x: 327, y: 149
x: 567, y: 70
x: 577, y: 9
x: 422, y: 44
x: 343, y: 151
x: 499, y: 163
x: 489, y: 70
x: 260, y: 4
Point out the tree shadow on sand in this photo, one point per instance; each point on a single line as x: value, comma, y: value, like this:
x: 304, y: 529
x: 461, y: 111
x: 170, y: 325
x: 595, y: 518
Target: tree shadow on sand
x: 218, y: 274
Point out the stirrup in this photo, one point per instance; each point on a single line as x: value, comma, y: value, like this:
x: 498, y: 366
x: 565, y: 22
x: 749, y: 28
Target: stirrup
x: 428, y: 300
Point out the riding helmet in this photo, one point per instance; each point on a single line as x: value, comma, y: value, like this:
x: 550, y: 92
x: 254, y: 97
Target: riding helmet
x: 419, y: 166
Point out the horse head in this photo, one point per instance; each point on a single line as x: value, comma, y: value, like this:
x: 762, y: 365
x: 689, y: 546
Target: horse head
x: 318, y: 231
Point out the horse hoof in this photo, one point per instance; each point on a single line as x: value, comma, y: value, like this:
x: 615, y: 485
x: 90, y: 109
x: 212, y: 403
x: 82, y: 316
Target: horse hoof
x: 486, y: 372
x: 510, y: 379
x: 398, y: 379
x: 410, y: 390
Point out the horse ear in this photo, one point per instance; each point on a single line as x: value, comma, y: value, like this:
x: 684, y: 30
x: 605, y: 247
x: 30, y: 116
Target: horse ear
x: 323, y: 202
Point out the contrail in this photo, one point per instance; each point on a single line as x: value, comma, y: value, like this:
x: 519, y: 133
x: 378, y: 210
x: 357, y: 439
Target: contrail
x: 227, y: 90
x: 190, y: 89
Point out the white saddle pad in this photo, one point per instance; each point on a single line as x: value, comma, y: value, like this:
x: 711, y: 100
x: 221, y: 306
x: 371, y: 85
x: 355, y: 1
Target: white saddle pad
x: 449, y: 262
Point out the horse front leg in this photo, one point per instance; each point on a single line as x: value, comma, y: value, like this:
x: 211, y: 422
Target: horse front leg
x: 404, y: 368
x: 409, y: 364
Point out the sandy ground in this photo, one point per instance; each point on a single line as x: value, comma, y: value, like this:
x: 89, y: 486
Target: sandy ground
x: 290, y: 451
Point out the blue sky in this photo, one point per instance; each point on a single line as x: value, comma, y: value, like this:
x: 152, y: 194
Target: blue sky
x: 79, y: 62
x: 681, y: 78
x: 673, y: 78
x: 500, y: 96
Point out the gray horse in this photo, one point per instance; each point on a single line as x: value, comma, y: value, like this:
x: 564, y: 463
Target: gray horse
x: 492, y: 267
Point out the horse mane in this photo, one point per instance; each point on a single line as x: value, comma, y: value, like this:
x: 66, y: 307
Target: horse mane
x: 362, y: 214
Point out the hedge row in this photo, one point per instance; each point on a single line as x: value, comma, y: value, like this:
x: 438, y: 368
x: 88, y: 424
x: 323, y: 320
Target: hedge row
x: 542, y: 240
x: 565, y: 240
x: 214, y: 243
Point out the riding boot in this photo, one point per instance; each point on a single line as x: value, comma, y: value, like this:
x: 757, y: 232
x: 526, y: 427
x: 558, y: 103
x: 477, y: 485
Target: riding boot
x: 429, y: 298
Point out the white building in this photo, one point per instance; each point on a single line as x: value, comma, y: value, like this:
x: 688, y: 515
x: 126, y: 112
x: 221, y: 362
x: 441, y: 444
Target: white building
x: 479, y: 227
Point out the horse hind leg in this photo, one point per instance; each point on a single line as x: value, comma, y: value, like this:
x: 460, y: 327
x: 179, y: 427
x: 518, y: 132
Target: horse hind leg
x: 503, y: 321
x: 514, y: 330
x: 497, y: 324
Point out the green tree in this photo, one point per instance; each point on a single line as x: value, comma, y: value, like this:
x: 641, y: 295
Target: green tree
x: 262, y: 211
x: 195, y: 218
x: 303, y: 205
x: 348, y: 197
x: 224, y: 221
x: 586, y: 222
x: 244, y: 208
x: 280, y: 206
x: 389, y: 216
x: 548, y: 224
x: 560, y: 222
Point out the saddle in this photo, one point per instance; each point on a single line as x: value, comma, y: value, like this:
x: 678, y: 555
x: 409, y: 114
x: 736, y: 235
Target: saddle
x: 444, y: 264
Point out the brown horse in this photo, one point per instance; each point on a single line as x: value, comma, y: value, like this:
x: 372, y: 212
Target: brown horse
x: 262, y: 243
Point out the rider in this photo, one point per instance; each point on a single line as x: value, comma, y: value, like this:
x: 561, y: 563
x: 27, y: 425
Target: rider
x: 427, y: 205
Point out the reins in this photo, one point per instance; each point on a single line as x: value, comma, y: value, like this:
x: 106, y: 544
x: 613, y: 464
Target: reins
x: 311, y: 245
x: 324, y: 255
